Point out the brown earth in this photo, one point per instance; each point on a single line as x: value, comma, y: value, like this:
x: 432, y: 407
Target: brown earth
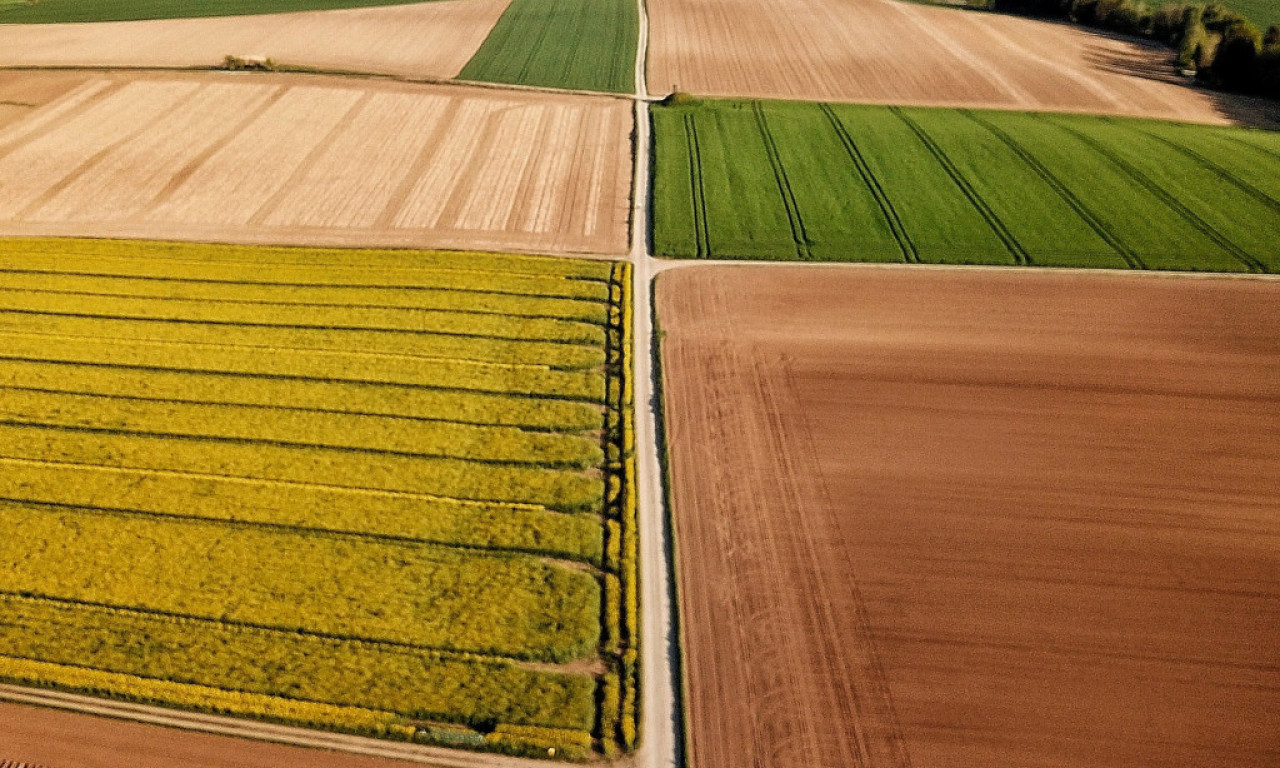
x: 431, y: 40
x: 876, y: 51
x: 975, y: 518
x: 246, y: 157
x: 54, y: 739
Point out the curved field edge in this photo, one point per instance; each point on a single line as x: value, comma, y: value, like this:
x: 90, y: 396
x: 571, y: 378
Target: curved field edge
x: 67, y: 11
x: 261, y: 654
x: 837, y: 182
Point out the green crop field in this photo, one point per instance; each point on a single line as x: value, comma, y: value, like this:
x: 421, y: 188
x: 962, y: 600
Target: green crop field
x: 58, y: 11
x: 1263, y: 13
x: 786, y: 180
x: 385, y: 492
x: 578, y: 44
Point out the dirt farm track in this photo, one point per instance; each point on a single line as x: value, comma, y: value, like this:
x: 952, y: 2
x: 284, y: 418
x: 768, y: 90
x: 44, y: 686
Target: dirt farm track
x: 312, y: 160
x: 968, y: 518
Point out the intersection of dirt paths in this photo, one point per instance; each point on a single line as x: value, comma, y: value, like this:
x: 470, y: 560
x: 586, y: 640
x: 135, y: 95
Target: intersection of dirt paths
x: 949, y: 518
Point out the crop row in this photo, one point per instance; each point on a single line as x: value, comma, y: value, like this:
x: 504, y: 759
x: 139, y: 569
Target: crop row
x: 849, y: 182
x: 322, y: 365
x: 418, y: 594
x: 145, y: 265
x: 359, y: 398
x: 289, y: 665
x: 290, y: 298
x: 562, y: 490
x: 261, y: 316
x: 411, y: 344
x: 351, y: 258
x: 481, y: 525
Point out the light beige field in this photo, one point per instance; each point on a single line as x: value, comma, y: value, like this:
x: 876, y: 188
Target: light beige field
x: 429, y: 40
x: 312, y: 160
x: 878, y: 51
x: 975, y: 518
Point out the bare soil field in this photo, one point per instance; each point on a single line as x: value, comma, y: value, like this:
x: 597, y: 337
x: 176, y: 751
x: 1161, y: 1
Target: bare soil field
x: 43, y: 737
x: 313, y: 160
x: 428, y: 40
x: 975, y: 518
x: 876, y: 51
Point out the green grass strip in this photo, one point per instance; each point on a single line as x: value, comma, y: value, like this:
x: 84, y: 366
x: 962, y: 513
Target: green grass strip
x: 511, y: 605
x: 587, y: 45
x: 63, y: 11
x: 288, y: 665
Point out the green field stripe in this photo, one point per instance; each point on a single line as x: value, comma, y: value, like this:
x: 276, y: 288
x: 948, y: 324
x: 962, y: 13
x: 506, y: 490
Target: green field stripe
x: 574, y: 44
x: 1078, y: 206
x: 1007, y: 237
x: 307, y: 365
x: 1241, y: 159
x: 481, y: 525
x: 446, y: 686
x: 1218, y: 170
x: 794, y: 216
x: 410, y: 437
x: 325, y: 318
x: 1173, y: 202
x: 356, y: 398
x: 469, y: 303
x: 287, y: 276
x: 702, y: 236
x: 558, y: 489
x: 887, y: 210
x: 421, y: 595
x: 411, y: 344
x: 351, y: 258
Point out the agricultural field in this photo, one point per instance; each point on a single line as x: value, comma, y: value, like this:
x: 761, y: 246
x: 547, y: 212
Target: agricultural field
x: 974, y: 518
x: 59, y: 11
x: 879, y: 51
x: 422, y: 40
x: 284, y: 483
x: 1263, y: 13
x: 586, y: 45
x: 778, y: 180
x: 317, y: 160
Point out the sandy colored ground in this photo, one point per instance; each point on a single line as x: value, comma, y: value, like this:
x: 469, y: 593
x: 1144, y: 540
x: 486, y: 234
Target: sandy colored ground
x: 315, y: 160
x: 53, y: 739
x: 970, y: 519
x: 432, y: 40
x: 878, y: 51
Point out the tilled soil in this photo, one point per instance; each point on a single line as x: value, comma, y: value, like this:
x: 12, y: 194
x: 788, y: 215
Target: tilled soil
x: 878, y: 51
x: 433, y: 39
x: 317, y: 161
x: 975, y: 518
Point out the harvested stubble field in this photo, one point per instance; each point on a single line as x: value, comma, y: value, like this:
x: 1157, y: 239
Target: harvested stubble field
x: 975, y: 518
x: 426, y: 40
x: 316, y: 160
x: 840, y: 182
x: 58, y: 11
x: 878, y: 51
x: 285, y: 483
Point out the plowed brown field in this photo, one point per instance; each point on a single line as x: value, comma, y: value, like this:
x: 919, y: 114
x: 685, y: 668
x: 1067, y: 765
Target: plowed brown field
x: 432, y: 40
x: 311, y: 160
x: 971, y: 519
x: 877, y: 51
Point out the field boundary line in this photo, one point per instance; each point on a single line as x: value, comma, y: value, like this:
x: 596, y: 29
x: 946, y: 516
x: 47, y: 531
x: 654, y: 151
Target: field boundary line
x: 666, y: 263
x: 1075, y: 203
x: 1019, y: 253
x: 1161, y: 194
x: 909, y: 252
x: 1217, y: 170
x: 798, y: 233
